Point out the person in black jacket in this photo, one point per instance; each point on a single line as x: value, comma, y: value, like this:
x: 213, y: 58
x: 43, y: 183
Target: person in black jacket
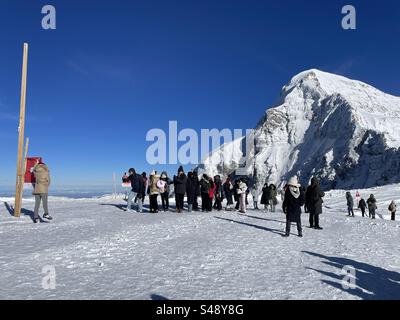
x: 236, y: 195
x: 196, y: 186
x: 218, y: 193
x: 228, y: 192
x: 137, y: 185
x: 294, y: 200
x: 191, y: 190
x: 266, y: 196
x: 180, y: 182
x: 362, y: 205
x: 314, y: 201
x: 205, y: 186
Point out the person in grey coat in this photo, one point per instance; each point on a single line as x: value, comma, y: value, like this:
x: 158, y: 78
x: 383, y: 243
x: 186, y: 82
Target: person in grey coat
x: 314, y: 201
x: 350, y: 204
x: 41, y: 190
x: 371, y: 202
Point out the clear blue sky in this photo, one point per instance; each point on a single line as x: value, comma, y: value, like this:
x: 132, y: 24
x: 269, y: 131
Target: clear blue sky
x: 115, y: 69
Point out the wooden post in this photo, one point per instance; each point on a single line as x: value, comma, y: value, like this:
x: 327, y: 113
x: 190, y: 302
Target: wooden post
x: 21, y: 129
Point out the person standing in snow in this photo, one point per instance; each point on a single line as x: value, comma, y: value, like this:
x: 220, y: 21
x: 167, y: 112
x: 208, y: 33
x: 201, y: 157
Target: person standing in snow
x: 154, y: 191
x: 294, y: 200
x: 314, y: 201
x: 211, y: 193
x: 218, y: 193
x: 392, y: 208
x: 41, y: 190
x: 205, y: 186
x: 164, y: 192
x: 242, y: 195
x: 273, y: 195
x: 255, y: 194
x: 180, y: 182
x: 191, y: 190
x: 236, y: 195
x: 350, y: 204
x: 266, y: 196
x: 371, y: 202
x: 362, y: 205
x: 196, y: 186
x: 145, y: 185
x: 358, y: 197
x: 228, y: 191
x: 137, y: 190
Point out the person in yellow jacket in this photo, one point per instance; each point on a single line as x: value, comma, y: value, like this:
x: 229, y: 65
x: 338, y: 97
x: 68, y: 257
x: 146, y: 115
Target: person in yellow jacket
x: 41, y: 190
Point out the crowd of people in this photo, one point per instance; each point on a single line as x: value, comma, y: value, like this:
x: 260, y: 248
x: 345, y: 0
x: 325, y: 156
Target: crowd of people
x: 213, y: 191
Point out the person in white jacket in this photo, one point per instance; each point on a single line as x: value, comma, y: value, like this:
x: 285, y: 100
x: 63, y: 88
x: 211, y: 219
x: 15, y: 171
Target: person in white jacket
x: 242, y: 194
x: 255, y: 194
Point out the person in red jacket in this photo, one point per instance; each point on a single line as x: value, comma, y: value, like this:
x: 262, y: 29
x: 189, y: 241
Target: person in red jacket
x: 211, y: 193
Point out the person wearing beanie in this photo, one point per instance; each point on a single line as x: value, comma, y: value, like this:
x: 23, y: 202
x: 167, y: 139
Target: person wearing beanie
x: 294, y: 200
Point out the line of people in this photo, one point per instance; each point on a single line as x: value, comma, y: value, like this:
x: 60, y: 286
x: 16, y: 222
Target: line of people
x: 371, y: 204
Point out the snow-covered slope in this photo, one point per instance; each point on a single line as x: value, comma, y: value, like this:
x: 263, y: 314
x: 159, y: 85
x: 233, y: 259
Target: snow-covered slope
x: 99, y: 251
x: 344, y: 131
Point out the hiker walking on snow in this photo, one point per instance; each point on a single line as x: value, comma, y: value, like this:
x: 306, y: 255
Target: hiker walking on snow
x: 242, y: 195
x: 371, y: 202
x: 350, y: 204
x: 362, y: 205
x: 41, y: 190
x: 137, y: 190
x: 392, y: 208
x: 180, y: 182
x: 228, y: 191
x: 314, y: 201
x: 294, y: 200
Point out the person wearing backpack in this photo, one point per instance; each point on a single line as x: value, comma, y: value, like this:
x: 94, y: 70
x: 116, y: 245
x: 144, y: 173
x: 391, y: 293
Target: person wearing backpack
x: 371, y: 202
x: 392, y: 208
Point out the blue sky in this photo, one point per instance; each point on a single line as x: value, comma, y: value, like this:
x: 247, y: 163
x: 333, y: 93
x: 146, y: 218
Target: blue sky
x: 115, y: 69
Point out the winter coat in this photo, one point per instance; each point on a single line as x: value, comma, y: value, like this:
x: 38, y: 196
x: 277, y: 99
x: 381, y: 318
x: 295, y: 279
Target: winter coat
x: 350, y: 201
x: 266, y: 195
x: 235, y: 190
x: 42, y: 179
x: 362, y: 204
x: 153, y: 185
x: 196, y: 183
x: 372, y: 203
x: 180, y: 183
x: 292, y: 206
x: 392, y: 207
x: 137, y: 183
x: 161, y: 185
x: 242, y: 188
x: 213, y: 187
x: 313, y: 197
x: 255, y: 194
x: 218, y: 188
x: 205, y: 186
x: 191, y: 188
x: 228, y: 189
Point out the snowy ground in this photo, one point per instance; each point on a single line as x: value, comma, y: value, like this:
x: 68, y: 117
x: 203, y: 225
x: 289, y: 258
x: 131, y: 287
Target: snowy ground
x: 101, y: 252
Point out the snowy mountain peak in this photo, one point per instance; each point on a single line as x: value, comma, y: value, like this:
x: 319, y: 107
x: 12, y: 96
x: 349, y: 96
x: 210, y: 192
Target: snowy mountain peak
x: 343, y: 131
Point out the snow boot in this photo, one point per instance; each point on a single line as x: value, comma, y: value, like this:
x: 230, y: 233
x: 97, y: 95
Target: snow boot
x: 36, y: 220
x: 318, y: 228
x: 47, y: 216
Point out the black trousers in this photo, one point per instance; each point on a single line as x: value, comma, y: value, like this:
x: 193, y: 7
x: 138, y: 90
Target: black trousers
x: 363, y: 212
x: 314, y: 220
x: 218, y: 203
x: 153, y: 203
x: 179, y: 198
x: 288, y: 225
x: 393, y: 216
x: 206, y: 204
x: 165, y: 200
x: 195, y: 204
